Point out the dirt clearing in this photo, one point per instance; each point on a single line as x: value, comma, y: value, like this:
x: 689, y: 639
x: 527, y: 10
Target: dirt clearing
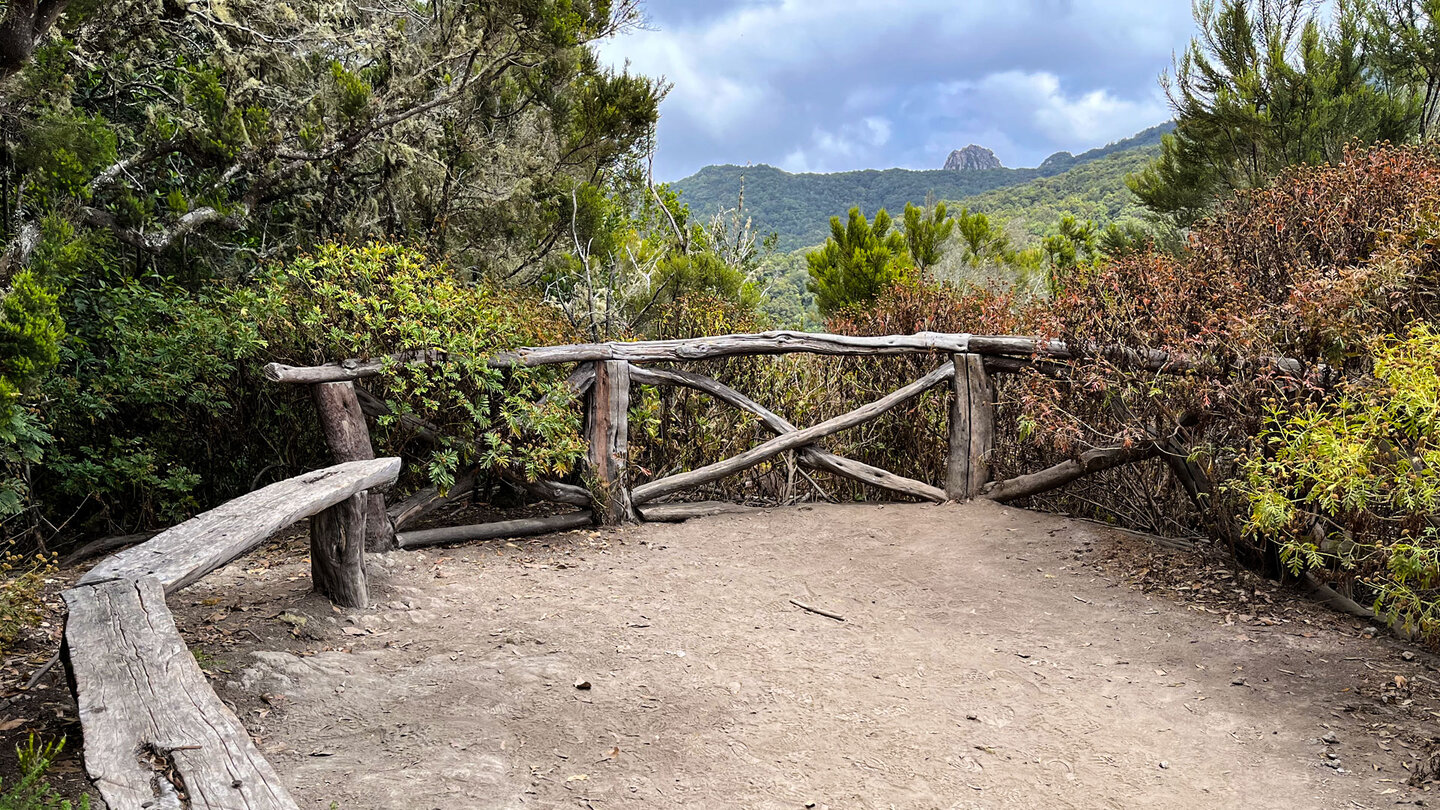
x: 984, y: 660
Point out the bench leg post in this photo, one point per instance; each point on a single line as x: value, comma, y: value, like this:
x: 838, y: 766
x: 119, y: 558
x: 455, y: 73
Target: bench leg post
x: 337, y: 552
x: 348, y: 436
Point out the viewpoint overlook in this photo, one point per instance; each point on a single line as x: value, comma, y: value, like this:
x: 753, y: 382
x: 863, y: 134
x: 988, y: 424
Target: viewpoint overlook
x: 777, y: 405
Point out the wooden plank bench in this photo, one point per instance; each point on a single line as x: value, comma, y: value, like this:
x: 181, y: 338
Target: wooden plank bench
x: 156, y: 736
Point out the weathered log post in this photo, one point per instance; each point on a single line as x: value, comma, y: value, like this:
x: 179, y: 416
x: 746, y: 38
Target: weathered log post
x: 1204, y: 495
x: 608, y: 426
x: 337, y: 552
x: 348, y: 436
x: 972, y: 428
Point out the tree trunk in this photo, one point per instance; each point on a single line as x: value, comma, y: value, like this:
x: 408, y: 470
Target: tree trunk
x: 22, y: 26
x: 348, y: 436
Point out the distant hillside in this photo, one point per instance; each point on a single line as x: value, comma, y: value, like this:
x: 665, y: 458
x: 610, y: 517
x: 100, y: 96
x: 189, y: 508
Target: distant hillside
x: 798, y: 207
x: 1093, y: 189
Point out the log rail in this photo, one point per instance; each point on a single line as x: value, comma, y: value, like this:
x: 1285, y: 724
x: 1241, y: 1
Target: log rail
x: 605, y: 372
x: 672, y: 351
x: 771, y: 343
x: 156, y: 736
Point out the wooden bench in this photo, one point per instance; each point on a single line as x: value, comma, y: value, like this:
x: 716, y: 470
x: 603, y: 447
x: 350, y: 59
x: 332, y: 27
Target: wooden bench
x: 156, y: 736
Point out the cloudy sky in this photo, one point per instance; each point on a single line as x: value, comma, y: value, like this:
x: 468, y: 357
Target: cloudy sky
x: 832, y: 85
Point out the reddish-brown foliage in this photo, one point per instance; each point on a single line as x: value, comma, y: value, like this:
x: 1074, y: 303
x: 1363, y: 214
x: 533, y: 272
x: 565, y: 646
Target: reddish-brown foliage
x: 1315, y: 267
x: 908, y: 308
x: 1331, y: 256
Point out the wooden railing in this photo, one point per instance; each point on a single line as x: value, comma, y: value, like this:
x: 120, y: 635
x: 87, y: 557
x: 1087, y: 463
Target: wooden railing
x: 605, y: 373
x: 156, y: 737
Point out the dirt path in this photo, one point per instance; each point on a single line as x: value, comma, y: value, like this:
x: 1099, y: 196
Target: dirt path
x: 982, y: 663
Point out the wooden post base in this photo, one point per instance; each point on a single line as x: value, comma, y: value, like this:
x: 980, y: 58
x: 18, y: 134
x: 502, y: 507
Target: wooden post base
x: 337, y: 552
x: 609, y: 430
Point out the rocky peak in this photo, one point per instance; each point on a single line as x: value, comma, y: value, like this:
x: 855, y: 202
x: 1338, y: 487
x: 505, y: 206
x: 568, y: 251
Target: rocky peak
x: 972, y: 158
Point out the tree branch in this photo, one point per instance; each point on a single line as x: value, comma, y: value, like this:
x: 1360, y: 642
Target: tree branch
x: 113, y: 171
x: 159, y: 240
x: 25, y: 23
x: 17, y: 255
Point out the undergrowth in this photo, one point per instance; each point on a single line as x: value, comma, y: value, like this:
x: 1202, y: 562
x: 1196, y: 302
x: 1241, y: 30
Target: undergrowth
x: 22, y: 581
x: 32, y: 791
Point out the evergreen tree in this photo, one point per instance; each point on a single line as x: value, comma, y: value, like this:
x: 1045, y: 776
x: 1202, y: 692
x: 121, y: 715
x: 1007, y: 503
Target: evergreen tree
x: 857, y: 262
x: 927, y: 235
x: 1264, y: 86
x: 983, y: 241
x: 1072, y: 244
x: 1403, y: 44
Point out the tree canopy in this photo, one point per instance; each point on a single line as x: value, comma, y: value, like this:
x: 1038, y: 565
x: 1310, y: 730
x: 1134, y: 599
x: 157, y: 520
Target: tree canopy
x: 198, y: 141
x: 158, y: 159
x: 857, y: 262
x: 1268, y: 84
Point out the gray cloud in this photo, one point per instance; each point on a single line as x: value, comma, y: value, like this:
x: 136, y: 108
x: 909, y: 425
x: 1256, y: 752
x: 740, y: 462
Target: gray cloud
x: 829, y: 85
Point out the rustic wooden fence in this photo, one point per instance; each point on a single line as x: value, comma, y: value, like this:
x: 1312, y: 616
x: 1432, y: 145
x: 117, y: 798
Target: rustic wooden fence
x: 605, y: 373
x: 156, y: 737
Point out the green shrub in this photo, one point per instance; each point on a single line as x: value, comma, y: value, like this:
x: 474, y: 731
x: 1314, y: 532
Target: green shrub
x: 857, y: 262
x: 31, y: 791
x: 1352, y: 484
x: 159, y: 408
x: 23, y: 439
x: 30, y: 331
x: 30, y: 335
x: 156, y: 407
x: 376, y: 300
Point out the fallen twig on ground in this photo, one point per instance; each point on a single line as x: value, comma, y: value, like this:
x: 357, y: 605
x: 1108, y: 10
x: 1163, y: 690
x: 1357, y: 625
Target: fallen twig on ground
x: 827, y: 614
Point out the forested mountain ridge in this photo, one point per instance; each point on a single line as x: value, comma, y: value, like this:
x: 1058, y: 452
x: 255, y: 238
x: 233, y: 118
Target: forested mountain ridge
x: 798, y: 207
x: 1093, y: 190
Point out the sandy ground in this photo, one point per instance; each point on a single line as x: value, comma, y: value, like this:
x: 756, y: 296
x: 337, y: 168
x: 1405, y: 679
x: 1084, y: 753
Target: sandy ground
x: 985, y: 660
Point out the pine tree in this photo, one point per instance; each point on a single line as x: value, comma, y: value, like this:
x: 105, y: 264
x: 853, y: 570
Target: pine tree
x: 926, y: 235
x: 1402, y: 41
x: 983, y: 241
x: 857, y: 262
x: 1265, y: 86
